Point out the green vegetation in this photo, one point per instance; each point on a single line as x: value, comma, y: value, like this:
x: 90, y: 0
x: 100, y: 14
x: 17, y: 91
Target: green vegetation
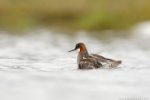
x: 73, y: 14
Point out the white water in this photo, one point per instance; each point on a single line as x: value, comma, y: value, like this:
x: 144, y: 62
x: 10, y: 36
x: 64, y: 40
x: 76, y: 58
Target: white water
x: 37, y: 66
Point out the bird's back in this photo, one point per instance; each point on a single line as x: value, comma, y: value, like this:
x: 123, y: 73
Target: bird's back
x: 97, y: 61
x: 106, y: 61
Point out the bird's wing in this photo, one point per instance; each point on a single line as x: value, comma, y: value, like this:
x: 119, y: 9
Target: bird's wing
x: 106, y: 61
x: 101, y: 58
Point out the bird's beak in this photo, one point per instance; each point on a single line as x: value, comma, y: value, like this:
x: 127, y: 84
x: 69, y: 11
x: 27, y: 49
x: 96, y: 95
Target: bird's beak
x: 72, y: 50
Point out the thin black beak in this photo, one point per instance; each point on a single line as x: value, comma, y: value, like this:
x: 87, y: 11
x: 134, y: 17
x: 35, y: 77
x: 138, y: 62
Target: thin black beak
x: 72, y: 50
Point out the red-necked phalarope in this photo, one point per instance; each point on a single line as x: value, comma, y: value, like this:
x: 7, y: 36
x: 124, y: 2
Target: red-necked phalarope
x: 92, y: 61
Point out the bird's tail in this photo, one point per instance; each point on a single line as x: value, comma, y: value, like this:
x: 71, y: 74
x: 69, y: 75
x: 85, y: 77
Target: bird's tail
x: 116, y: 63
x: 119, y: 61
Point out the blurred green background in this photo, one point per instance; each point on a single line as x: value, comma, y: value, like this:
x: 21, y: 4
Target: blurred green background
x: 73, y: 14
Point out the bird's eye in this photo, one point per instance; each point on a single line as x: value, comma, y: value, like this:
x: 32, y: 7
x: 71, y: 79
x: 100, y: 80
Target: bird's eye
x: 77, y: 46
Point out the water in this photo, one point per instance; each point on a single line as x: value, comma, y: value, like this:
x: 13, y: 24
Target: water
x: 37, y: 66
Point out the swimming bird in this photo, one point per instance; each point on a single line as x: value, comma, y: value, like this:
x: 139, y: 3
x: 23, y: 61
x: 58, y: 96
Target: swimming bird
x: 92, y: 61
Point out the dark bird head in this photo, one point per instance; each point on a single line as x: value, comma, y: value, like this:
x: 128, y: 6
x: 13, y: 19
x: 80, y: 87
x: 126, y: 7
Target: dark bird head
x: 80, y: 46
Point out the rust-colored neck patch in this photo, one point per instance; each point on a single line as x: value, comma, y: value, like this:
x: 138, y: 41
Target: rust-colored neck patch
x: 82, y: 49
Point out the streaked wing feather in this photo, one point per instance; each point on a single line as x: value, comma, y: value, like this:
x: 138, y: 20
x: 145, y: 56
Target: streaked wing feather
x: 105, y: 61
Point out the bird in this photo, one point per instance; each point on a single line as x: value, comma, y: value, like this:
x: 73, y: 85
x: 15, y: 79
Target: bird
x: 92, y: 61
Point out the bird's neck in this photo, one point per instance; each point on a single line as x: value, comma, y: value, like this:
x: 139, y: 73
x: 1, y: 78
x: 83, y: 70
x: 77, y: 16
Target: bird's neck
x: 83, y: 51
x: 81, y: 54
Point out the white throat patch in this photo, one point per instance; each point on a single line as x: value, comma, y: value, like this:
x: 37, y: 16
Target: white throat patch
x: 78, y: 50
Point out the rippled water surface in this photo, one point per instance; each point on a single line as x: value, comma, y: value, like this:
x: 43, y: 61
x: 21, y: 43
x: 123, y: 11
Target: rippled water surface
x: 37, y: 66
